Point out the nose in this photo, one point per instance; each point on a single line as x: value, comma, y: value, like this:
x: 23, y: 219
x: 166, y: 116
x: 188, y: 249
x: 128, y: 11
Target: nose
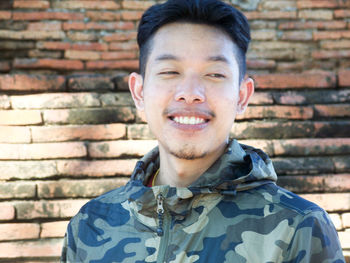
x: 190, y: 90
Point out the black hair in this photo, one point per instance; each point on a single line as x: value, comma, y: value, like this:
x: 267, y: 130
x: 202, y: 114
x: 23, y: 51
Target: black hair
x: 209, y: 12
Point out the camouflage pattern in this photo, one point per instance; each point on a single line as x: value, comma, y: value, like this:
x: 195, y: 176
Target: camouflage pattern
x: 233, y: 213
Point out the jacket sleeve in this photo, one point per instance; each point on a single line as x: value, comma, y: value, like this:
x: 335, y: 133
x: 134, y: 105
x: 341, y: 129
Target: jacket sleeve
x: 315, y: 240
x: 68, y: 253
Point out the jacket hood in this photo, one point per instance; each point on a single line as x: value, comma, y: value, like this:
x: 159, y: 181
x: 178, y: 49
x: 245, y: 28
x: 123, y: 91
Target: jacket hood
x: 241, y: 167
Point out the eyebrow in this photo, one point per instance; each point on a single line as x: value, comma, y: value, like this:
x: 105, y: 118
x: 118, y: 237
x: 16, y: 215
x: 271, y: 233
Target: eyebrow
x: 167, y: 57
x: 217, y: 58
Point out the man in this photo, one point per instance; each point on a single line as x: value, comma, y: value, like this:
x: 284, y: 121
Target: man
x: 199, y: 196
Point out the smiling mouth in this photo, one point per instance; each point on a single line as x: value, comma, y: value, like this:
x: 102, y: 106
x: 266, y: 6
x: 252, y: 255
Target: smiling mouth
x: 189, y: 120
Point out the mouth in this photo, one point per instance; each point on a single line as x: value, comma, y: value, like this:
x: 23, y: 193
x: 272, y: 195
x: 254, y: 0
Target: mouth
x: 188, y: 120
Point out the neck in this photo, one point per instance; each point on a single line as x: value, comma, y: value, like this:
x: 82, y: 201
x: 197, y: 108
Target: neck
x: 181, y: 172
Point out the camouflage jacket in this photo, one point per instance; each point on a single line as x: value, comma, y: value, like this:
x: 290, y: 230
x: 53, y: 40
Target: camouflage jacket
x: 233, y: 213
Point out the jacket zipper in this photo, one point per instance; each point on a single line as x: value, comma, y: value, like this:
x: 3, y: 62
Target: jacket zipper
x: 163, y: 228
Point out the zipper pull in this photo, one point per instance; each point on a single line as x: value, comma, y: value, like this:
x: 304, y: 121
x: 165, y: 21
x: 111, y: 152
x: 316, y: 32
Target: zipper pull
x: 160, y: 212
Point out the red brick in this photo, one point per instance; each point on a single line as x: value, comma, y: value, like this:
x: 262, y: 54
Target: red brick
x: 123, y: 46
x: 31, y: 4
x: 13, y: 134
x: 53, y: 45
x: 44, y: 54
x: 312, y: 4
x: 297, y: 36
x: 32, y: 82
x: 342, y: 13
x: 19, y: 189
x: 266, y: 46
x: 29, y: 249
x: 90, y: 46
x: 89, y: 115
x: 283, y: 112
x: 103, y: 15
x: 120, y: 148
x: 139, y: 132
x: 118, y: 55
x: 140, y: 5
x: 331, y: 35
x: 281, y: 54
x: 90, y: 83
x: 78, y: 188
x: 53, y: 229
x: 48, y: 209
x: 326, y: 201
x: 334, y: 110
x: 72, y: 4
x: 27, y: 169
x: 324, y: 54
x: 81, y: 36
x: 35, y: 35
x: 294, y: 80
x: 339, y: 44
x: 121, y: 36
x: 20, y: 117
x: 96, y: 168
x: 42, y: 151
x: 7, y: 211
x: 19, y: 231
x: 47, y: 16
x: 278, y: 5
x: 312, y: 24
x: 5, y: 15
x: 291, y: 66
x: 260, y: 98
x: 74, y: 26
x: 344, y: 79
x: 110, y: 25
x: 254, y: 15
x: 82, y: 55
x: 261, y: 64
x: 120, y: 64
x: 316, y: 14
x: 346, y: 220
x: 5, y: 66
x: 59, y: 64
x: 337, y: 182
x: 78, y: 132
x: 131, y: 15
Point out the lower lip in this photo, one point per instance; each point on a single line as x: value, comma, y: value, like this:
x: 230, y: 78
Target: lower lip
x: 189, y: 127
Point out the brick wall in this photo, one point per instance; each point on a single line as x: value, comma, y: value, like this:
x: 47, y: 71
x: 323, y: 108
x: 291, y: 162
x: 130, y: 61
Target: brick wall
x: 69, y: 130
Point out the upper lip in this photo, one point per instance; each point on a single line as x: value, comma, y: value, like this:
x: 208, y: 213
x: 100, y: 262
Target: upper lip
x: 203, y: 114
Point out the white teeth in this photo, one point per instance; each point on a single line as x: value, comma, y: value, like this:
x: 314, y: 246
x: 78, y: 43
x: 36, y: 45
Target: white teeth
x: 189, y: 120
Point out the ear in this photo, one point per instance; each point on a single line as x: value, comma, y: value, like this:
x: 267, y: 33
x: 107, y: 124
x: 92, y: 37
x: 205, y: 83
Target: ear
x: 136, y: 89
x: 245, y: 92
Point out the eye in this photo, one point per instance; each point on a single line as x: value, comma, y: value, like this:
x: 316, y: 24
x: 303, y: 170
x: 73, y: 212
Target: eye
x: 170, y: 72
x: 216, y: 75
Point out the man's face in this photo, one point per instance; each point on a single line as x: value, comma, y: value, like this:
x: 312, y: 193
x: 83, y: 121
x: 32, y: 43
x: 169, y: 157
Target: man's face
x: 190, y: 93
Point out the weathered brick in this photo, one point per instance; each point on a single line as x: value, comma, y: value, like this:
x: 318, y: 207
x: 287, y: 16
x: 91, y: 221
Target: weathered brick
x: 44, y: 54
x: 7, y: 211
x: 139, y: 132
x: 140, y: 5
x: 53, y: 229
x: 346, y: 220
x: 343, y: 77
x: 90, y: 46
x: 297, y: 35
x: 344, y: 238
x: 304, y: 165
x: 31, y: 4
x: 342, y: 163
x: 312, y: 24
x: 294, y: 80
x: 310, y: 146
x: 5, y: 66
x: 53, y: 45
x: 5, y: 15
x: 96, y: 168
x: 111, y: 149
x: 32, y: 82
x: 118, y: 55
x: 116, y: 99
x: 324, y: 54
x: 89, y: 116
x: 312, y: 4
x: 81, y: 36
x: 44, y: 26
x: 342, y: 13
x: 265, y: 145
x: 74, y: 26
x: 335, y: 110
x: 13, y: 134
x: 27, y: 169
x: 261, y: 98
x: 132, y: 45
x: 4, y: 102
x: 20, y: 117
x: 19, y: 231
x: 120, y: 64
x: 261, y: 64
x: 270, y: 15
x: 283, y: 54
x: 92, y: 82
x: 337, y: 183
x: 278, y: 5
x: 48, y: 209
x: 103, y: 15
x: 42, y: 151
x: 336, y: 220
x: 262, y: 24
x: 274, y: 45
x: 338, y: 44
x: 55, y: 101
x: 78, y: 132
x: 331, y: 129
x: 131, y: 15
x: 266, y: 34
x: 31, y: 249
x: 35, y: 35
x: 326, y: 201
x: 72, y: 4
x: 78, y: 188
x: 316, y: 14
x: 59, y: 64
x: 16, y: 45
x: 331, y: 35
x: 121, y: 36
x: 121, y: 82
x: 121, y: 25
x: 282, y: 112
x: 291, y: 66
x: 140, y: 116
x: 83, y: 55
x: 16, y: 190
